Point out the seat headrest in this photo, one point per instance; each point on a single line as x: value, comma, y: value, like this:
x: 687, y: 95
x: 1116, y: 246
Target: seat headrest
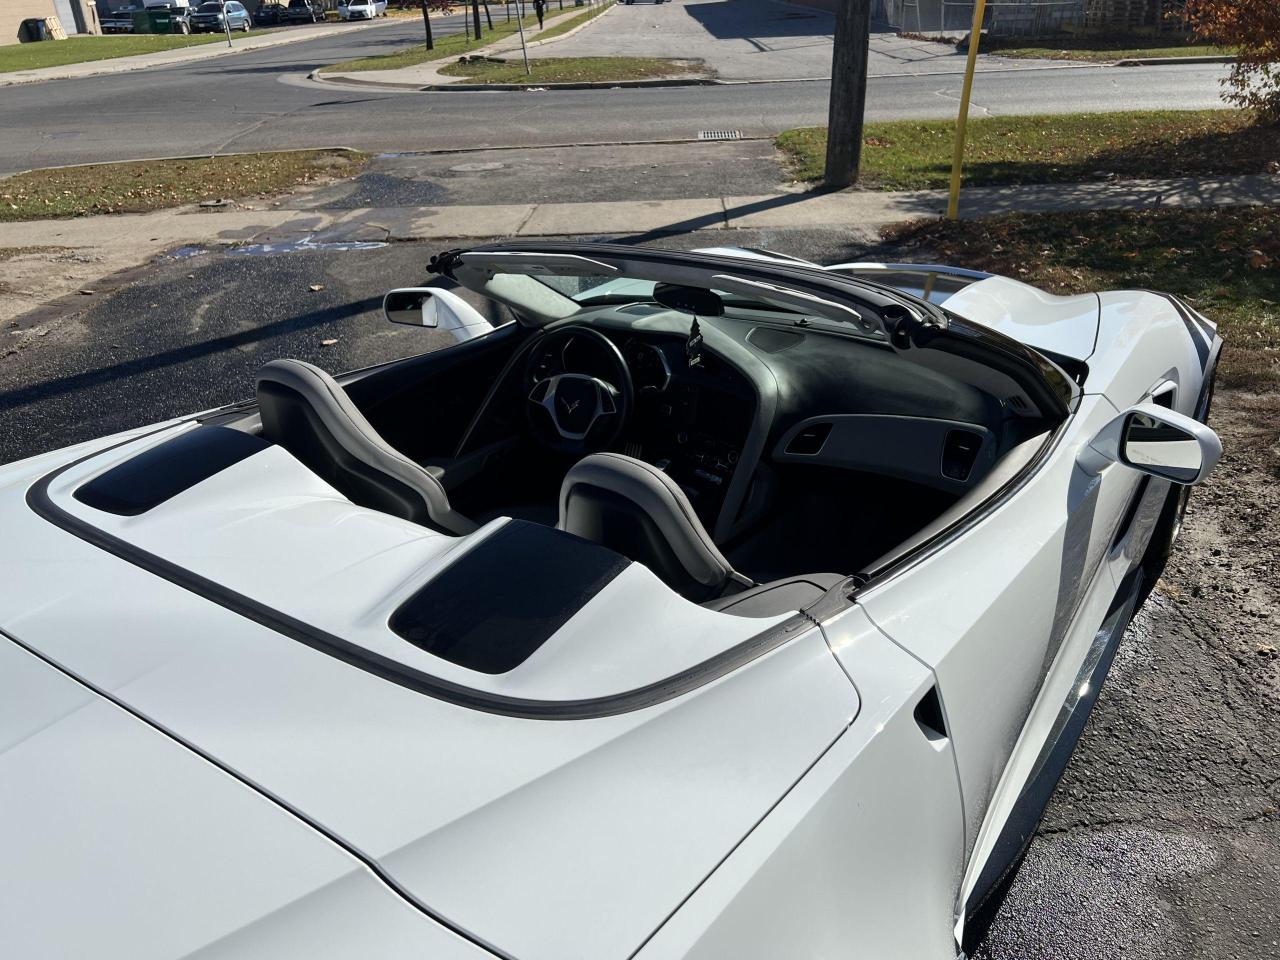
x: 634, y: 508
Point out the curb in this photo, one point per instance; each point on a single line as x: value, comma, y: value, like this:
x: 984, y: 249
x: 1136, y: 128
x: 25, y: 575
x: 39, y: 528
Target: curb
x: 182, y: 156
x: 1169, y: 61
x: 582, y: 85
x: 114, y: 65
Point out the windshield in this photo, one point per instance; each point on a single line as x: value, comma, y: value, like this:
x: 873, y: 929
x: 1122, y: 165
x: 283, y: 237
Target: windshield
x: 597, y: 291
x: 210, y: 8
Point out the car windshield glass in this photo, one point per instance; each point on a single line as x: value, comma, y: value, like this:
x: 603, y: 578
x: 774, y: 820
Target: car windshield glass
x: 595, y: 291
x: 210, y: 7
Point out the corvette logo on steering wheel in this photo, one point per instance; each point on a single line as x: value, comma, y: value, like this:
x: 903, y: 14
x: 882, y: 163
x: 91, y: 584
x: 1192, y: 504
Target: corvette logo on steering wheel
x: 570, y: 407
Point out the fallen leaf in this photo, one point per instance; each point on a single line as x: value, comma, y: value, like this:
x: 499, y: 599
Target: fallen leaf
x: 316, y: 287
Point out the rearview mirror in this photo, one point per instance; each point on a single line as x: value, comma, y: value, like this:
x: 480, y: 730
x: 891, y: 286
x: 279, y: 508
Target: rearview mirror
x: 691, y: 300
x: 1156, y: 441
x: 437, y: 309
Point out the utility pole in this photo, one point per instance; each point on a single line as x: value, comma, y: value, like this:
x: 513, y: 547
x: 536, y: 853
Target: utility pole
x: 962, y: 121
x: 225, y: 22
x: 426, y: 22
x: 848, y: 92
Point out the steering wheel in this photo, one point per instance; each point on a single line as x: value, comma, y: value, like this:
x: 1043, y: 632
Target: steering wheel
x: 576, y: 412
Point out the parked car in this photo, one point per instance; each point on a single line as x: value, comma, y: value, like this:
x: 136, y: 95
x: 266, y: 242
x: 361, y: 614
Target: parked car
x: 270, y: 15
x: 118, y: 21
x: 208, y: 17
x: 304, y: 11
x: 713, y: 606
x: 362, y: 9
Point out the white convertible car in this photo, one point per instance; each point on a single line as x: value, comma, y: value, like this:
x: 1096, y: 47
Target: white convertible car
x: 717, y: 605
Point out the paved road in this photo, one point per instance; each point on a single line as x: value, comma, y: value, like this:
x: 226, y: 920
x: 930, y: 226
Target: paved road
x: 262, y: 100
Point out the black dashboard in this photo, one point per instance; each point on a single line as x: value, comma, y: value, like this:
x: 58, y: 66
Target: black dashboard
x: 691, y: 420
x: 768, y: 395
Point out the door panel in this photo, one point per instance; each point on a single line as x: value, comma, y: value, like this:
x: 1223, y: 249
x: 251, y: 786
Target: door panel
x: 989, y: 612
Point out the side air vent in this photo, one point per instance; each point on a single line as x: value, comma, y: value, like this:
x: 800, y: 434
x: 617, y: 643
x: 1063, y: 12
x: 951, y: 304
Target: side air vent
x: 810, y: 439
x: 929, y: 716
x: 773, y: 341
x: 959, y: 454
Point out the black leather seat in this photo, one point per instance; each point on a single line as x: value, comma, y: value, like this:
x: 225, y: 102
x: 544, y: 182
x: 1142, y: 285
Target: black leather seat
x: 308, y: 413
x: 638, y: 511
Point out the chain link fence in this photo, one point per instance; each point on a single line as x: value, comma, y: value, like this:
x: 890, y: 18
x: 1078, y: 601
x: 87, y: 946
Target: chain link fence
x: 1030, y: 18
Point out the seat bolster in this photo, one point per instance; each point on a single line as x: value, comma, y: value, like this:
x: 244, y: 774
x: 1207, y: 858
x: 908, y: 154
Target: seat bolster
x: 662, y: 500
x: 353, y: 432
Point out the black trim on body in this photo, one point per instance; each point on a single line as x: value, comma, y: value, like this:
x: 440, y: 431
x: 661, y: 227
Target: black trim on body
x: 1018, y: 831
x: 167, y: 469
x: 387, y: 668
x: 458, y: 615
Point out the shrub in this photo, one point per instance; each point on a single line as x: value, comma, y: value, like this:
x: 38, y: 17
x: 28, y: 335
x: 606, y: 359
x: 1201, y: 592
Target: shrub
x: 1254, y: 27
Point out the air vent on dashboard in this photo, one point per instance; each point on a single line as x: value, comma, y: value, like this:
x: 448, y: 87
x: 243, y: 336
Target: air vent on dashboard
x: 773, y: 341
x: 959, y: 453
x: 810, y: 439
x: 1019, y: 403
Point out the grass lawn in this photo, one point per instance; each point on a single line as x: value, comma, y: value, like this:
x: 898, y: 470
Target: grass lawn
x: 915, y: 154
x: 1101, y: 49
x: 1224, y: 262
x: 571, y: 69
x: 138, y: 187
x: 9, y: 253
x: 59, y: 53
x: 558, y: 22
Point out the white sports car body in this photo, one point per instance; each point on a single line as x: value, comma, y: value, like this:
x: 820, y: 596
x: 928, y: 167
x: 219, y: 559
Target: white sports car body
x: 716, y: 605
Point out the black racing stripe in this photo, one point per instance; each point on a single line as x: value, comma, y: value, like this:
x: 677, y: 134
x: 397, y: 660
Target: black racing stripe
x: 387, y: 668
x: 1198, y: 336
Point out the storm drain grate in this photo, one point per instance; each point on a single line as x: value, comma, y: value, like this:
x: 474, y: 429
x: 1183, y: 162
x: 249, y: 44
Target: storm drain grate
x: 719, y: 134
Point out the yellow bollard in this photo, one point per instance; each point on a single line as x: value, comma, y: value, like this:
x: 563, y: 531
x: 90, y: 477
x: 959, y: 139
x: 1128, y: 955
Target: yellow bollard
x: 953, y: 202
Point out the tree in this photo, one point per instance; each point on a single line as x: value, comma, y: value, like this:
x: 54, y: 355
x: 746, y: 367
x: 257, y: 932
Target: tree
x: 848, y: 92
x: 439, y: 6
x: 1254, y: 27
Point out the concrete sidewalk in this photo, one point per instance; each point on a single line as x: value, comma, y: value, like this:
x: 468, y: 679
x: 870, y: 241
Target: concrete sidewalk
x: 165, y: 58
x: 843, y: 209
x: 89, y: 248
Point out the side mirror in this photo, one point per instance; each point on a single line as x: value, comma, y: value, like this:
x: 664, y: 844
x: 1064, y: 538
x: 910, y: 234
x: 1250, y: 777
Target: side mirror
x: 1157, y: 441
x: 436, y: 309
x: 412, y: 306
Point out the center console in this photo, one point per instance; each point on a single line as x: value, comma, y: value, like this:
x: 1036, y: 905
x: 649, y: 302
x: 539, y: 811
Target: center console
x: 693, y: 427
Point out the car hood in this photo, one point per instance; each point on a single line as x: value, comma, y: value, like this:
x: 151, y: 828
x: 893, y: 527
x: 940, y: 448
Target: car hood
x: 543, y: 839
x: 1067, y: 326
